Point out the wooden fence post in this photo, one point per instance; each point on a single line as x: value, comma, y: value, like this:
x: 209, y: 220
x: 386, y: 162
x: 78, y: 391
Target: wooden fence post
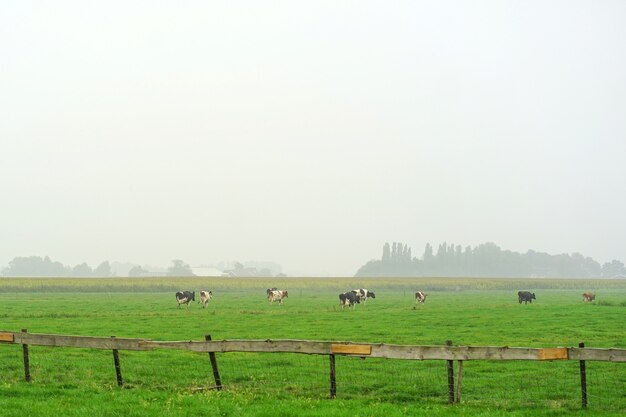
x: 118, y: 369
x: 450, y: 377
x: 333, y: 382
x: 583, y: 378
x: 216, y: 372
x: 26, y: 360
x: 459, y: 377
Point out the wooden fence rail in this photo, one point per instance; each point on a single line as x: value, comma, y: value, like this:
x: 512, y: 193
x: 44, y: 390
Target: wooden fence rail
x: 446, y: 352
x: 374, y: 350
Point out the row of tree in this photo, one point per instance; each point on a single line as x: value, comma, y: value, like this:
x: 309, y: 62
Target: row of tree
x: 36, y: 266
x: 44, y: 267
x: 486, y: 260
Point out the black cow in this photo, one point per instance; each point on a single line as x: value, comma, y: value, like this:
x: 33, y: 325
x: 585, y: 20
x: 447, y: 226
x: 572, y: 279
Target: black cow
x: 185, y: 297
x: 526, y: 297
x: 349, y: 299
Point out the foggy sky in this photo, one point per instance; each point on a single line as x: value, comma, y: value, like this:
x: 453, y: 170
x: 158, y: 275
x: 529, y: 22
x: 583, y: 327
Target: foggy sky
x: 310, y: 133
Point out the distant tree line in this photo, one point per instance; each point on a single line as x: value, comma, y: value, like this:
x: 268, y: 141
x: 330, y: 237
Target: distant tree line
x: 36, y: 266
x: 485, y: 260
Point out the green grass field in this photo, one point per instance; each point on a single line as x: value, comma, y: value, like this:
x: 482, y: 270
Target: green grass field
x: 77, y: 382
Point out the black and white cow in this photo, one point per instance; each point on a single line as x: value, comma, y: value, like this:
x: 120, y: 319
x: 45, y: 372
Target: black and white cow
x: 205, y: 296
x: 420, y: 296
x: 276, y: 295
x: 526, y: 297
x: 363, y: 293
x: 349, y: 299
x: 185, y: 297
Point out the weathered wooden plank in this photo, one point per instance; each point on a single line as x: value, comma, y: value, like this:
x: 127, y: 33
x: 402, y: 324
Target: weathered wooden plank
x: 284, y: 345
x: 412, y: 352
x: 553, y: 353
x: 7, y: 337
x: 347, y: 349
x: 453, y: 353
x: 496, y: 353
x: 595, y: 354
x: 89, y: 342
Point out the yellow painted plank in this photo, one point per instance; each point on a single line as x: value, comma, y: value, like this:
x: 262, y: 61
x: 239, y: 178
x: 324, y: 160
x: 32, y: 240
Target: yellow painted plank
x: 552, y: 353
x: 351, y: 349
x: 6, y: 337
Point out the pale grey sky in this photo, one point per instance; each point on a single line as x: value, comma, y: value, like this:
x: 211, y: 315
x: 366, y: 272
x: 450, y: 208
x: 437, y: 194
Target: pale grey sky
x: 310, y: 133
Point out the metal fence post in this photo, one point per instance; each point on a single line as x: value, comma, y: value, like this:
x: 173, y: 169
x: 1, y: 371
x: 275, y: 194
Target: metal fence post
x: 216, y: 372
x: 26, y: 359
x: 333, y: 382
x: 118, y: 369
x: 450, y: 377
x: 583, y: 378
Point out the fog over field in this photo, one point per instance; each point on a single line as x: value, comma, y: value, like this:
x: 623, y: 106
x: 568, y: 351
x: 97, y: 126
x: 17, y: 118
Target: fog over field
x: 310, y: 133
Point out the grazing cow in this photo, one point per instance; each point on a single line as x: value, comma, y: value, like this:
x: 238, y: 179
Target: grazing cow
x: 589, y: 296
x: 420, y: 297
x: 205, y: 296
x: 269, y: 290
x: 349, y: 299
x: 526, y: 297
x: 276, y: 295
x: 362, y: 293
x: 185, y: 297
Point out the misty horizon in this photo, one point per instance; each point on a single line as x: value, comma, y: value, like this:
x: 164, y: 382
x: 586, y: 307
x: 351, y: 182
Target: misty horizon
x: 309, y: 134
x: 507, y: 261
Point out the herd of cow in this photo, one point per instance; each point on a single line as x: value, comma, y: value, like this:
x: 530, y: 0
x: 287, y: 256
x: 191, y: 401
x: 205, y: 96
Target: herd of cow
x: 346, y: 299
x: 186, y: 297
x: 354, y: 297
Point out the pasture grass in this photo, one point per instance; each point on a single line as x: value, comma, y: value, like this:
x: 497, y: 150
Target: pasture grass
x: 78, y: 382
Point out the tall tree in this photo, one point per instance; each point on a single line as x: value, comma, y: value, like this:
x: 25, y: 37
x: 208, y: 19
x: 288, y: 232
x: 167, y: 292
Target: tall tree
x: 136, y: 271
x: 428, y: 253
x: 103, y: 270
x: 386, y: 253
x: 82, y: 270
x: 612, y: 269
x: 179, y: 269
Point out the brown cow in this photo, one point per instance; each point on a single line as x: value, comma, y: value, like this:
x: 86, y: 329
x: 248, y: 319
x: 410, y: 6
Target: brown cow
x: 589, y: 296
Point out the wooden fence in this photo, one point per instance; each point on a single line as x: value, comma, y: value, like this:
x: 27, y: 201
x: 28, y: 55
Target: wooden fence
x: 446, y: 352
